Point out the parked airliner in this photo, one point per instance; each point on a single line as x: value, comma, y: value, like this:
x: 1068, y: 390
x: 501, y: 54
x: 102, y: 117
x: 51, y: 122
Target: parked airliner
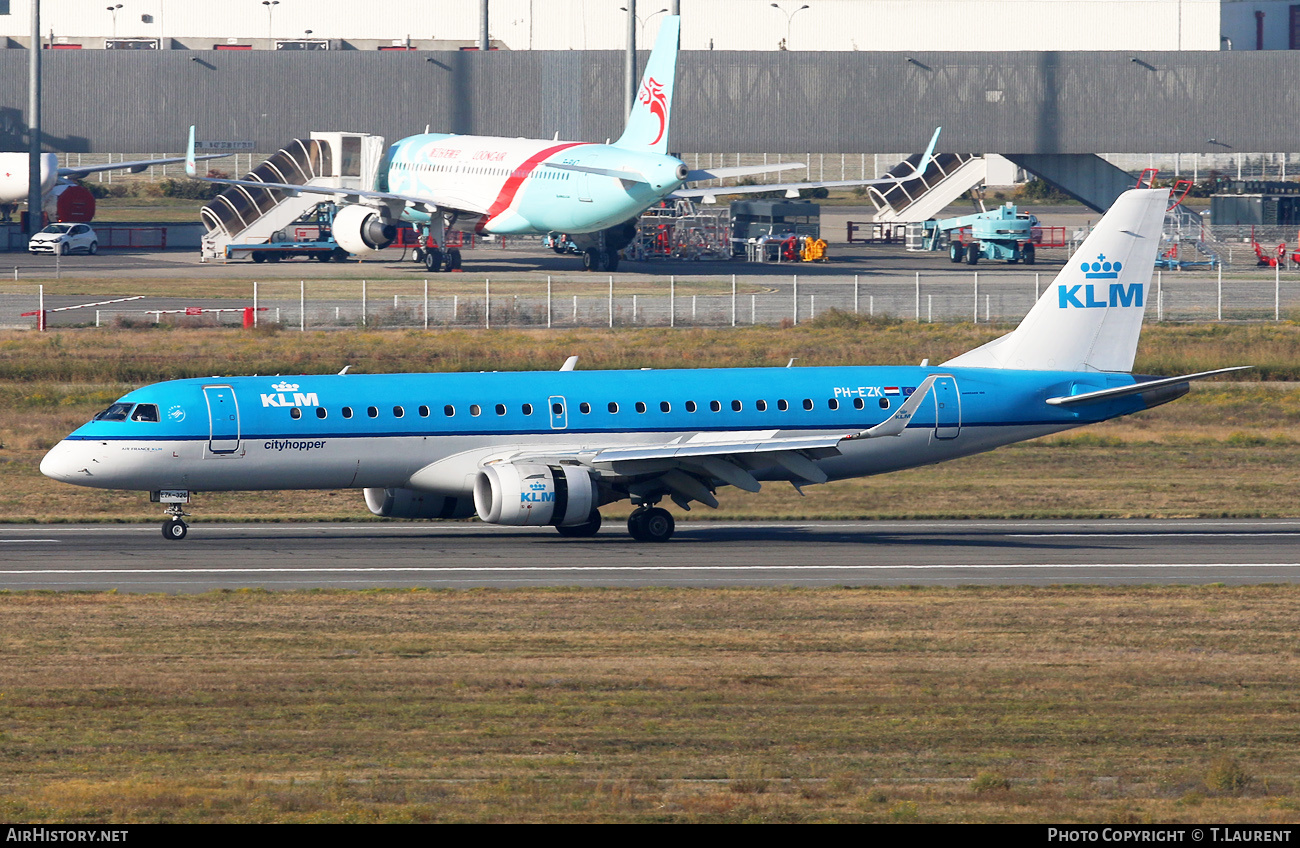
x: 594, y: 193
x: 551, y: 448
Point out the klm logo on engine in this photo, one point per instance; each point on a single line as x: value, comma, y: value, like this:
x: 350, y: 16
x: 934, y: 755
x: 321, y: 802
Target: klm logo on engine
x: 287, y: 394
x: 537, y: 494
x: 1085, y: 295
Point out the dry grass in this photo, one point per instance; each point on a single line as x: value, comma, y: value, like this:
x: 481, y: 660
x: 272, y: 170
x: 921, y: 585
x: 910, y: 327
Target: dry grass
x: 1051, y: 705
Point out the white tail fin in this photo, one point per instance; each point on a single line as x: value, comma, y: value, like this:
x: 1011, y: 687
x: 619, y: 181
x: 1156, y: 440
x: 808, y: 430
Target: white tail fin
x: 647, y: 126
x: 1090, y: 316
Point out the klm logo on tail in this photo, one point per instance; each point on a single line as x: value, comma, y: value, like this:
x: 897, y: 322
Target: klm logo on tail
x: 1084, y: 295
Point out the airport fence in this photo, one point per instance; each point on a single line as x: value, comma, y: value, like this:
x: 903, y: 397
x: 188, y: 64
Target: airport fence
x: 637, y: 301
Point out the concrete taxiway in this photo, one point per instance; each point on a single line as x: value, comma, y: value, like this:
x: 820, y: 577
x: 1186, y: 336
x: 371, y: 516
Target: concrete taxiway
x: 463, y: 555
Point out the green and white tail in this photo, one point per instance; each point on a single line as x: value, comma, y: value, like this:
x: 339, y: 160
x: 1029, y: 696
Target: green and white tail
x: 647, y: 125
x: 1090, y: 316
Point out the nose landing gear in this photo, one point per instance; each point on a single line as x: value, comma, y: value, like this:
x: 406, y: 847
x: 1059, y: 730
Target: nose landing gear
x: 175, y: 528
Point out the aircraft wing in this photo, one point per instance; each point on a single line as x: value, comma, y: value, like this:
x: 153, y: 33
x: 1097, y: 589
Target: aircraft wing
x: 792, y: 189
x: 689, y: 467
x: 134, y: 167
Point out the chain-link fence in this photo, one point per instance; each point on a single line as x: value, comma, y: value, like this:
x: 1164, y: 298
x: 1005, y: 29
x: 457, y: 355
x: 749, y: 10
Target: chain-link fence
x: 978, y: 296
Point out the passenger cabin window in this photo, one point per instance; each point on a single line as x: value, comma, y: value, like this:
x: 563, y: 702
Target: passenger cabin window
x: 449, y: 410
x: 858, y: 403
x: 501, y: 409
x: 807, y: 403
x: 372, y: 411
x: 715, y: 406
x: 760, y: 405
x: 665, y: 406
x: 884, y: 403
x: 475, y: 409
x: 320, y: 412
x: 347, y: 412
x: 613, y: 407
x: 832, y: 403
x: 640, y: 407
x: 116, y: 412
x: 584, y: 408
x: 295, y: 413
x: 145, y: 412
x: 736, y: 406
x: 424, y: 412
x: 398, y: 412
x: 528, y: 409
x: 783, y: 404
x: 690, y: 406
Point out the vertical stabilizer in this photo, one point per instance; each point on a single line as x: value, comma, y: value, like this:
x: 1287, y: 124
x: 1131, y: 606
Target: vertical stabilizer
x: 647, y: 126
x: 1090, y: 316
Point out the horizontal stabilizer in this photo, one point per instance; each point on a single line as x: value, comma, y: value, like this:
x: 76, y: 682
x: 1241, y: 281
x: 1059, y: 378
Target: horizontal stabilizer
x: 631, y: 176
x: 1138, y: 388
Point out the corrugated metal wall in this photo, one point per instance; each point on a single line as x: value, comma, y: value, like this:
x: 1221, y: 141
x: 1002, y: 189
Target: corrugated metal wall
x: 770, y: 102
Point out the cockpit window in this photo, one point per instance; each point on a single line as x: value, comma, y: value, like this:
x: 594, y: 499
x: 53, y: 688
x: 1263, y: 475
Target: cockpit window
x: 116, y: 412
x: 145, y: 412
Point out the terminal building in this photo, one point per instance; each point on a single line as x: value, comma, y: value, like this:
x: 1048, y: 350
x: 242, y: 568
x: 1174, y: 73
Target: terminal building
x: 817, y: 25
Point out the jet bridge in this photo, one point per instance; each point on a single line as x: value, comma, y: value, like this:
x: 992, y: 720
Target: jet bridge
x: 249, y: 215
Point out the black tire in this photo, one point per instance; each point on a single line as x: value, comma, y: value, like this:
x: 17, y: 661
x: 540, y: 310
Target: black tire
x: 65, y: 249
x: 272, y: 257
x: 417, y: 256
x: 340, y: 255
x: 972, y: 254
x: 433, y: 260
x: 611, y: 260
x: 578, y: 531
x: 454, y: 253
x: 593, y: 260
x: 955, y: 251
x: 174, y: 529
x: 1028, y: 254
x: 321, y: 257
x: 636, y: 525
x: 657, y: 525
x: 93, y: 249
x: 259, y: 257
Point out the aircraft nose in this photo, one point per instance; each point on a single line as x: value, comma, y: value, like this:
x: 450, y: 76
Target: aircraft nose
x: 66, y: 462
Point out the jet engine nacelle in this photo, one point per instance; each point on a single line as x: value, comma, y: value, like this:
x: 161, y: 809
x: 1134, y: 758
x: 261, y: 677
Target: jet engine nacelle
x: 363, y: 229
x: 531, y: 495
x: 407, y: 503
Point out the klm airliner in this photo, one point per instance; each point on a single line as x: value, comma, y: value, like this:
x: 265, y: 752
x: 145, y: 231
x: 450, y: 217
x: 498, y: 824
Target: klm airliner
x: 594, y: 193
x: 551, y: 448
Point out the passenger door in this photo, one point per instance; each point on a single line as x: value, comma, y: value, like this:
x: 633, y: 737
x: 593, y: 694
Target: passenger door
x: 223, y: 419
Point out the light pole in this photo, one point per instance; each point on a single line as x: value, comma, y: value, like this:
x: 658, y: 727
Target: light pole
x: 785, y: 45
x: 270, y: 5
x: 113, y: 11
x: 641, y: 22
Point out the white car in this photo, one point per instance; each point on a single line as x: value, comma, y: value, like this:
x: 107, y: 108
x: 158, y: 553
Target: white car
x: 65, y: 239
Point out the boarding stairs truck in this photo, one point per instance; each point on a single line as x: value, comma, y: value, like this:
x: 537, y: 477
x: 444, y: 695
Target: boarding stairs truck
x: 247, y: 217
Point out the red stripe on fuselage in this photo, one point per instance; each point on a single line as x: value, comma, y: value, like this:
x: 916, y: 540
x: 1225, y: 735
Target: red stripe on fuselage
x: 516, y: 181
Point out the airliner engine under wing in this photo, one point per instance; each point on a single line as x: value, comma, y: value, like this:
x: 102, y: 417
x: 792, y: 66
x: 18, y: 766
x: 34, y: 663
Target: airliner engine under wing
x: 594, y: 193
x: 539, y: 448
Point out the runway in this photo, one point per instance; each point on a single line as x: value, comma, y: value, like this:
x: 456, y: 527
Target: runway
x: 702, y: 554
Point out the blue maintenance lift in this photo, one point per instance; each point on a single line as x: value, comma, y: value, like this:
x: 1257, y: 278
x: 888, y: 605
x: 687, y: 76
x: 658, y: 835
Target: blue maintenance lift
x: 1004, y: 234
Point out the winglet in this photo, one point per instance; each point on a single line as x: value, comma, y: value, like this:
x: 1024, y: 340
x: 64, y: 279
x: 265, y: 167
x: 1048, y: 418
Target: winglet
x: 190, y: 169
x: 895, y: 424
x: 929, y: 151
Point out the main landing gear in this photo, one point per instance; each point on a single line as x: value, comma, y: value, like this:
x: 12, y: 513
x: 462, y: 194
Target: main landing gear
x: 436, y: 260
x: 651, y: 524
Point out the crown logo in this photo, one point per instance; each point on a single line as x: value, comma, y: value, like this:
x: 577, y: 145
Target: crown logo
x: 1101, y: 269
x: 285, y: 386
x: 538, y: 487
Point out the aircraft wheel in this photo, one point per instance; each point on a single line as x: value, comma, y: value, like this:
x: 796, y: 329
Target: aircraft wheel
x: 590, y: 528
x: 174, y: 529
x: 611, y: 260
x: 636, y: 525
x: 972, y: 255
x: 593, y: 260
x: 454, y: 254
x: 433, y: 260
x: 1029, y: 254
x: 417, y: 256
x: 956, y: 251
x: 657, y: 525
